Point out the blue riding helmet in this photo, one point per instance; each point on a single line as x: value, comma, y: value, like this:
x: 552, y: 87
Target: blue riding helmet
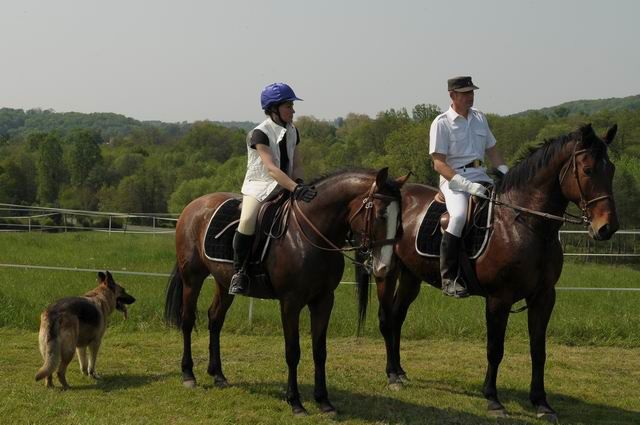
x: 276, y: 93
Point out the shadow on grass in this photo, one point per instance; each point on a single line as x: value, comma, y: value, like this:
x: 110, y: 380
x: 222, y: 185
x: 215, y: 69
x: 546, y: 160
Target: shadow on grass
x: 570, y: 409
x: 373, y: 408
x: 120, y: 382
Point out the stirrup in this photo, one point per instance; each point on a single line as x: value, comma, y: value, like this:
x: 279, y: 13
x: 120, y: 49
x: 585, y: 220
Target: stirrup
x: 454, y: 289
x: 239, y: 283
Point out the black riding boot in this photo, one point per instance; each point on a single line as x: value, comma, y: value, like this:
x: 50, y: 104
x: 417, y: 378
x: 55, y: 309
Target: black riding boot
x: 241, y: 249
x: 452, y: 283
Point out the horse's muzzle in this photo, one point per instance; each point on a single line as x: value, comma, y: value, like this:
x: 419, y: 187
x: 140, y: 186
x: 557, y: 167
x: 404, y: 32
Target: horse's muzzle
x: 604, y: 232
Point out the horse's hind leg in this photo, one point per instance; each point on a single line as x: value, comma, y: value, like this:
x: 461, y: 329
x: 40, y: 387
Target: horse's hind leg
x: 408, y: 290
x: 192, y: 285
x: 217, y: 313
x: 290, y: 314
x: 540, y: 308
x: 497, y: 316
x: 320, y: 314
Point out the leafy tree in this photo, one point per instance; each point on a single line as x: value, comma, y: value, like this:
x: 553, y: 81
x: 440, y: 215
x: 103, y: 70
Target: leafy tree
x: 50, y: 171
x: 425, y: 112
x: 84, y: 155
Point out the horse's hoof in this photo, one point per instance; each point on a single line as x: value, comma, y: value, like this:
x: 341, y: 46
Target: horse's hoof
x: 326, y: 408
x: 395, y: 382
x: 545, y: 412
x: 547, y: 416
x: 223, y: 383
x: 495, y: 409
x: 395, y: 386
x: 403, y: 378
x: 299, y: 411
x: 498, y: 413
x: 189, y: 383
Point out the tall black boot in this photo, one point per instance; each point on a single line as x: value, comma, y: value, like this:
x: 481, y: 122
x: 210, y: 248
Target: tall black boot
x: 241, y: 249
x: 452, y: 283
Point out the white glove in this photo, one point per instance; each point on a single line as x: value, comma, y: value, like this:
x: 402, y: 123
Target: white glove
x: 503, y: 168
x: 462, y: 184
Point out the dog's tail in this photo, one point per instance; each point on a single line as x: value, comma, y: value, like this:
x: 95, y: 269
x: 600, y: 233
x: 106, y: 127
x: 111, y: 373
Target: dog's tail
x: 49, y: 345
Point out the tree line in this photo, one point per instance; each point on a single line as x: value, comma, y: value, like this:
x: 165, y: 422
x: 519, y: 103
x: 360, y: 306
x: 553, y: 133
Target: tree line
x: 107, y: 162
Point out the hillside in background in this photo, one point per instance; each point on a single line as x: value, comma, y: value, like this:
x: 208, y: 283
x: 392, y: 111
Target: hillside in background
x: 16, y: 122
x: 587, y: 107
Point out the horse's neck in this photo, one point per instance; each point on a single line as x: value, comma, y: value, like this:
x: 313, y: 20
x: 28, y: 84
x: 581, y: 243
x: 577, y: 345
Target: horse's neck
x: 329, y: 211
x: 543, y: 194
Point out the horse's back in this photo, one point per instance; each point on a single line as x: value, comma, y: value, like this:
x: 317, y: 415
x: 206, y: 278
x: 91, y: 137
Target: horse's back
x: 193, y: 221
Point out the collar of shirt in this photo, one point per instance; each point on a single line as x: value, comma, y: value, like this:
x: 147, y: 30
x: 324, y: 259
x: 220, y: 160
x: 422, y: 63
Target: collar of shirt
x: 453, y: 115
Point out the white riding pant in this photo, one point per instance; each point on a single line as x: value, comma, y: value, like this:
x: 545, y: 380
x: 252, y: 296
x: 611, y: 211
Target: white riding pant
x: 457, y: 205
x: 250, y: 209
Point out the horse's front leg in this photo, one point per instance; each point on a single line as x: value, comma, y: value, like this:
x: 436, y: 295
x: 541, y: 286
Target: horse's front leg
x: 540, y: 308
x: 497, y: 316
x: 320, y: 313
x: 217, y: 313
x: 290, y: 315
x: 408, y: 290
x: 385, y: 287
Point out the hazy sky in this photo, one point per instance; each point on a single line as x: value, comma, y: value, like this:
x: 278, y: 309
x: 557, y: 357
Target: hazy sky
x: 188, y: 60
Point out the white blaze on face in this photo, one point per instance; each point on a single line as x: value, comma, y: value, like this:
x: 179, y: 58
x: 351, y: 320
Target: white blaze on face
x: 382, y: 255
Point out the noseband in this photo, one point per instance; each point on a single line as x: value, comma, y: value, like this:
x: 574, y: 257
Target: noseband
x: 584, y: 204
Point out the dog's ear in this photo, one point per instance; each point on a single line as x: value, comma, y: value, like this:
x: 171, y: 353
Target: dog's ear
x: 101, y: 277
x: 110, y: 282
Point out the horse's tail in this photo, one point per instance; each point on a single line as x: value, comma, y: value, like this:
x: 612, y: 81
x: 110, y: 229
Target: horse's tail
x: 362, y: 289
x: 173, y: 301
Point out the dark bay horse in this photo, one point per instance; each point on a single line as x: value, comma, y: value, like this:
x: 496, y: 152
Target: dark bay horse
x: 523, y: 258
x: 304, y: 267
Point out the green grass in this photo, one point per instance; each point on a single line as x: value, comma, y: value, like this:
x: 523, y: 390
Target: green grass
x: 580, y: 318
x: 592, y: 370
x: 140, y: 383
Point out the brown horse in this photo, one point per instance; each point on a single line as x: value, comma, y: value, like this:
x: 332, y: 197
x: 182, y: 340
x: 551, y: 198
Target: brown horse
x: 305, y: 266
x: 523, y: 258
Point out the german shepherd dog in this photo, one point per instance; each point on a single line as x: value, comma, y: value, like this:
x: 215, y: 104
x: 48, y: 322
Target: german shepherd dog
x: 75, y: 323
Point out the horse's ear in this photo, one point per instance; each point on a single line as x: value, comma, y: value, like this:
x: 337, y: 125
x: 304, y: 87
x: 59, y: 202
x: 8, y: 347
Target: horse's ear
x: 611, y: 133
x: 101, y: 277
x: 402, y: 180
x: 381, y: 178
x: 586, y: 135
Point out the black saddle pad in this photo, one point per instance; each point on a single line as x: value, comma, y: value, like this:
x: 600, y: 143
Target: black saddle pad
x: 219, y: 238
x: 475, y: 234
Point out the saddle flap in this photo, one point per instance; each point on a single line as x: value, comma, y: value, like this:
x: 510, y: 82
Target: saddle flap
x: 271, y: 222
x: 475, y: 234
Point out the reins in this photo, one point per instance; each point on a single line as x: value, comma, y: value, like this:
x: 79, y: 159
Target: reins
x: 585, y: 219
x: 366, y: 235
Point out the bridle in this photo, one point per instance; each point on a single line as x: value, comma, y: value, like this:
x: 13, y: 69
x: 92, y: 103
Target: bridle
x: 366, y: 235
x: 585, y: 219
x: 584, y: 204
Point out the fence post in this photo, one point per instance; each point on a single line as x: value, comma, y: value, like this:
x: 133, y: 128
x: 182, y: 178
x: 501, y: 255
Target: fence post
x: 64, y: 222
x: 250, y: 312
x: 109, y: 225
x: 29, y: 224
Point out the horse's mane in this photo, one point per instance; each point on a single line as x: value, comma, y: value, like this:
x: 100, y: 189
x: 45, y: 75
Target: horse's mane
x: 537, y: 156
x: 391, y: 184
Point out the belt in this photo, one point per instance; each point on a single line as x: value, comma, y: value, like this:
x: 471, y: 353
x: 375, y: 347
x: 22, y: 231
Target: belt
x: 476, y: 163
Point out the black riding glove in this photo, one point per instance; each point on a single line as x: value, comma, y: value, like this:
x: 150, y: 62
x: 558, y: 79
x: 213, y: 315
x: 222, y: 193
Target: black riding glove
x: 304, y: 192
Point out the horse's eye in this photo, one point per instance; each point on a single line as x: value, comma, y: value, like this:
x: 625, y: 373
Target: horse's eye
x: 587, y: 171
x: 382, y: 213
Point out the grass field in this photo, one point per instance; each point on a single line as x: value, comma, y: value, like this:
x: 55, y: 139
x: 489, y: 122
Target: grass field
x: 593, y: 373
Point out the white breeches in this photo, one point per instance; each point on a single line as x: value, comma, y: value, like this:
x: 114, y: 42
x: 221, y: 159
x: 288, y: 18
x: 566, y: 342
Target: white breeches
x: 249, y: 215
x: 250, y: 209
x: 457, y: 204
